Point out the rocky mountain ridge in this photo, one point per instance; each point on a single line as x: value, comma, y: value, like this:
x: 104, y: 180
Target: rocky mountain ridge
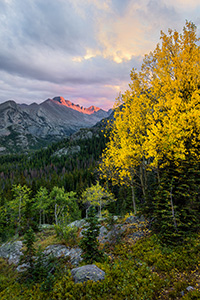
x: 24, y: 127
x: 90, y: 110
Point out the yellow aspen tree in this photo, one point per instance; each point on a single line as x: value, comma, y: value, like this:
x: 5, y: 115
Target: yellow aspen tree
x: 174, y: 123
x: 124, y: 153
x: 96, y: 195
x: 159, y: 120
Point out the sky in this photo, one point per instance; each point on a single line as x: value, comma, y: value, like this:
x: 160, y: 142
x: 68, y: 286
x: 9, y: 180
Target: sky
x: 82, y: 50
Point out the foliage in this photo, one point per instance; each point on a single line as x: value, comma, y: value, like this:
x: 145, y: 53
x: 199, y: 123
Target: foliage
x: 160, y: 112
x: 58, y: 199
x: 28, y: 255
x: 67, y: 234
x: 41, y: 203
x: 43, y: 271
x: 39, y: 267
x: 96, y: 195
x: 24, y: 211
x: 156, y: 132
x: 144, y: 269
x: 175, y: 205
x: 62, y: 202
x: 89, y: 243
x: 19, y: 204
x: 8, y: 275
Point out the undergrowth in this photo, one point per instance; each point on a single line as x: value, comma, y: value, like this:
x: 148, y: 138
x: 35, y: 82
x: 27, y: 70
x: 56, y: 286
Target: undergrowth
x: 142, y: 269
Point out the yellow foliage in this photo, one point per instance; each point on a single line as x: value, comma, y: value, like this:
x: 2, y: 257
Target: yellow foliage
x: 97, y: 195
x: 159, y: 120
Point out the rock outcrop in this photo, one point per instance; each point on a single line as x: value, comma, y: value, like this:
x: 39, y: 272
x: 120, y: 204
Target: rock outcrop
x: 136, y: 226
x: 58, y: 251
x: 12, y: 251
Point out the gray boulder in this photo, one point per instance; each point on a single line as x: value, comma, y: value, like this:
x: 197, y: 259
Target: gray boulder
x: 190, y: 288
x: 12, y: 251
x: 88, y: 272
x: 111, y: 236
x: 103, y: 232
x: 77, y: 223
x: 59, y: 251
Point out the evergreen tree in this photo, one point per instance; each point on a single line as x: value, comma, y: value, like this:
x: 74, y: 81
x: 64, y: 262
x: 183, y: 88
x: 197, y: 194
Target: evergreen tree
x: 29, y: 253
x: 89, y: 243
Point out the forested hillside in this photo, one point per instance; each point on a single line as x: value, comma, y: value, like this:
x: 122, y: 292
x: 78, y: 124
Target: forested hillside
x: 48, y: 167
x: 70, y: 164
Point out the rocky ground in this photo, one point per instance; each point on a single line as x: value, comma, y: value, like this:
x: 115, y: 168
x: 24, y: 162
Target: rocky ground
x: 13, y: 250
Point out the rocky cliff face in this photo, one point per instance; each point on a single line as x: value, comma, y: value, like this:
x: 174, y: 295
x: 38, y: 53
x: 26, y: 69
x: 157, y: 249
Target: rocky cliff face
x: 24, y: 127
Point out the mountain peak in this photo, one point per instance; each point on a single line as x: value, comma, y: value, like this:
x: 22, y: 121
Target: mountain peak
x: 90, y: 110
x: 93, y: 109
x: 9, y: 103
x: 59, y: 99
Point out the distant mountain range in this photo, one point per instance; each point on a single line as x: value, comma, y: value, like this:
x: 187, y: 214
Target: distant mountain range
x: 24, y: 127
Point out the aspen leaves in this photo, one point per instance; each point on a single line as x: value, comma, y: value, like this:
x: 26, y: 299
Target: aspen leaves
x: 159, y: 120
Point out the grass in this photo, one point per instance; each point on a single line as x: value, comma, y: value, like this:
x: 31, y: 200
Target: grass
x: 46, y: 237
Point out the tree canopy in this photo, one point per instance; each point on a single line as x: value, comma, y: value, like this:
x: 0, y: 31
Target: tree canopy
x: 157, y: 120
x: 159, y: 117
x: 96, y: 195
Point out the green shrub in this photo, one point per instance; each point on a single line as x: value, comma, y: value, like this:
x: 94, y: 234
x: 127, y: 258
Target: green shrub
x: 7, y: 275
x: 67, y: 234
x: 193, y: 295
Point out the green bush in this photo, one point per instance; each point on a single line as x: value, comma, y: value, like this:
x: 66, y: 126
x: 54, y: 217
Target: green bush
x: 66, y: 234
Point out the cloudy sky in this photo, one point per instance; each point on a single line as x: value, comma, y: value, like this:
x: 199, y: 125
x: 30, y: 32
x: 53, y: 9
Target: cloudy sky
x: 82, y: 50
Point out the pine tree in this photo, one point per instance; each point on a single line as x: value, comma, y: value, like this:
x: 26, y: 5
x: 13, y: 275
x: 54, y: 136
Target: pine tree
x: 28, y: 255
x: 89, y: 243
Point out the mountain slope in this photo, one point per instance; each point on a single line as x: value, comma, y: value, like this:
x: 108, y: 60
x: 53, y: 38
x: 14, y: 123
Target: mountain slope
x: 24, y: 127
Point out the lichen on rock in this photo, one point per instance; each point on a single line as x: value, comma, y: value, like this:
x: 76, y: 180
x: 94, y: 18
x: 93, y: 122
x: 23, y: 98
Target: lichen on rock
x: 87, y: 272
